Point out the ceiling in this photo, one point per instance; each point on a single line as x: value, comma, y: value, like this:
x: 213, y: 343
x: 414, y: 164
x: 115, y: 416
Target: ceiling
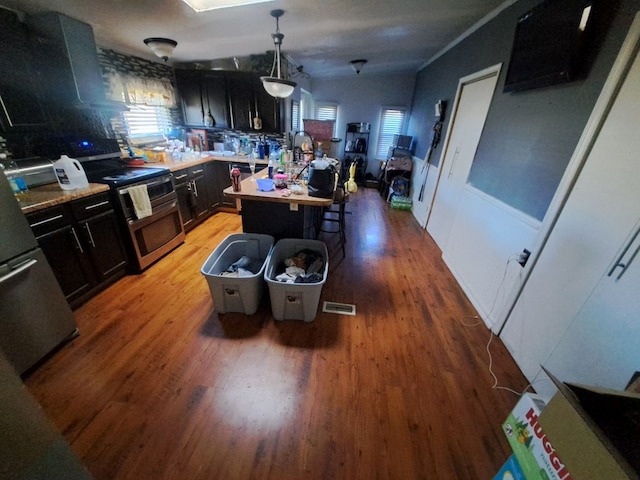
x: 321, y: 35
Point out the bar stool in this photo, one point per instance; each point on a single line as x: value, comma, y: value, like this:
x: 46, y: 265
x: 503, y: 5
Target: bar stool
x: 335, y: 214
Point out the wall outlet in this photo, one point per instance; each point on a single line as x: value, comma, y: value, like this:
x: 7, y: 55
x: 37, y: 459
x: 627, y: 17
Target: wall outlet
x: 524, y: 256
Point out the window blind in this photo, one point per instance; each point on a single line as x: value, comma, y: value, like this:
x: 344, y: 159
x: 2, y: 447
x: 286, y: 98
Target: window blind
x: 326, y: 111
x: 295, y: 116
x: 391, y: 123
x: 144, y: 121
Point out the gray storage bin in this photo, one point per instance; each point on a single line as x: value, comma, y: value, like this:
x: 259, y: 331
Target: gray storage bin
x: 237, y: 294
x: 294, y: 301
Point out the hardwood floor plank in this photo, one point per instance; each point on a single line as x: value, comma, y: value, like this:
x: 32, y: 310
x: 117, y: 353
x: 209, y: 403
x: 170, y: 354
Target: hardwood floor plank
x: 161, y: 386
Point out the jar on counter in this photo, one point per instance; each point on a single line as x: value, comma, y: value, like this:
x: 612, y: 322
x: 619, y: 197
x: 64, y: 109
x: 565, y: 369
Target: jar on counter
x: 280, y: 180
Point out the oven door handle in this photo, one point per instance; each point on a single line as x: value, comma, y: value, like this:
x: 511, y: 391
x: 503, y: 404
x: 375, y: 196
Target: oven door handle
x: 159, y: 211
x: 123, y: 191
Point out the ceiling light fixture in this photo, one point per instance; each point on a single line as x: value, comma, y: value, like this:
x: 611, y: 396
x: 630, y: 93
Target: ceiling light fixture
x: 296, y: 71
x: 277, y: 86
x: 205, y: 5
x: 358, y: 64
x: 162, y: 47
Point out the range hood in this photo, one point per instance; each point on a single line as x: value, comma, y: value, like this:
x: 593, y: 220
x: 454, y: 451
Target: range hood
x: 68, y: 61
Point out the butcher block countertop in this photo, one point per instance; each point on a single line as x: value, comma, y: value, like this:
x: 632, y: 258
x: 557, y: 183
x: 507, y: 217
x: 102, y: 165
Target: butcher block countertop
x: 249, y: 191
x: 45, y: 196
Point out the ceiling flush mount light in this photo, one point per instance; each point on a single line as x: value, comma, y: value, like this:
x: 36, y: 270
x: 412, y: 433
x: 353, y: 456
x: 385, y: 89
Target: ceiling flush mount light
x: 277, y: 86
x: 358, y: 64
x: 204, y: 5
x: 162, y: 47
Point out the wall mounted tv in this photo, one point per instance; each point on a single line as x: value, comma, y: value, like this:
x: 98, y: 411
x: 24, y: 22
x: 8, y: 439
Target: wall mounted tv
x: 549, y: 44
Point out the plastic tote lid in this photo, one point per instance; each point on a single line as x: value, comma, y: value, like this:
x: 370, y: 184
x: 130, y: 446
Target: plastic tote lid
x: 70, y: 174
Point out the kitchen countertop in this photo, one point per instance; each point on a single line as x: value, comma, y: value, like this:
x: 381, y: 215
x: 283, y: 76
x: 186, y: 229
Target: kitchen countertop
x: 39, y: 198
x: 249, y: 191
x: 175, y: 166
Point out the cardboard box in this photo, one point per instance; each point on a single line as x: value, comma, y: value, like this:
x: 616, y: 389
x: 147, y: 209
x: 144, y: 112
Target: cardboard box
x: 510, y: 470
x: 596, y: 431
x: 582, y: 433
x: 536, y: 456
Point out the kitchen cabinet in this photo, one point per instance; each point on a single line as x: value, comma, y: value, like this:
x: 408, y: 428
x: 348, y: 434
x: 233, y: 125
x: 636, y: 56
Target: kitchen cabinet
x: 241, y: 100
x: 83, y: 244
x: 22, y: 108
x: 193, y: 195
x: 267, y: 108
x: 249, y: 100
x: 234, y: 99
x: 202, y: 92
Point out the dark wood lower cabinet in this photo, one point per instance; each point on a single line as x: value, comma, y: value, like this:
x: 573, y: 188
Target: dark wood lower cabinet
x: 194, y: 189
x: 85, y: 250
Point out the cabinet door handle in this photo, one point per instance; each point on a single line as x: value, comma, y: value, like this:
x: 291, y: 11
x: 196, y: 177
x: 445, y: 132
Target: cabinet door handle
x: 86, y: 226
x: 195, y: 187
x: 75, y: 235
x: 96, y: 205
x: 46, y: 220
x: 25, y: 266
x: 619, y: 261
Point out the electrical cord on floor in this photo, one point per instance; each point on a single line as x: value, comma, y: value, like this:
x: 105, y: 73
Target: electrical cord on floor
x: 495, y: 385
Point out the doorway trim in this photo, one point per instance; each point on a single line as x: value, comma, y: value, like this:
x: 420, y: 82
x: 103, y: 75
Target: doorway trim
x: 488, y: 72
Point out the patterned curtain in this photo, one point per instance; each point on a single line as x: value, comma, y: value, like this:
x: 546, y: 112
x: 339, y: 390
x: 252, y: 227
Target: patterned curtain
x: 140, y: 91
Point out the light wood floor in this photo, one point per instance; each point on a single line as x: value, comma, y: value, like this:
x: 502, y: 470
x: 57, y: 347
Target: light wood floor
x: 159, y: 386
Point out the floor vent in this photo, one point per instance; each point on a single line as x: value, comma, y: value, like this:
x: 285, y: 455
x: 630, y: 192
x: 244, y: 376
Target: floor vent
x: 339, y: 308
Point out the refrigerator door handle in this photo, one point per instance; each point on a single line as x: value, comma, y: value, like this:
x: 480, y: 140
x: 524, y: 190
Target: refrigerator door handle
x: 25, y: 266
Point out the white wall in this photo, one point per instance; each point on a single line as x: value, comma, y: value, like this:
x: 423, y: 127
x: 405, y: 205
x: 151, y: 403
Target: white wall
x: 360, y: 98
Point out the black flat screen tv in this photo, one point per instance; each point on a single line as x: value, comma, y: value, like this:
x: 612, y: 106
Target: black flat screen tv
x: 549, y: 42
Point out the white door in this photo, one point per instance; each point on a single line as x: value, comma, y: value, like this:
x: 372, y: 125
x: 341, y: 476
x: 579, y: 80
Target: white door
x: 577, y: 315
x: 602, y: 218
x: 472, y: 105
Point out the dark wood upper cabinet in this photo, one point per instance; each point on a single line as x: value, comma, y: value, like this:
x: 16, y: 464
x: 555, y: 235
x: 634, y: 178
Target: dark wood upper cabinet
x: 235, y: 100
x: 241, y: 105
x: 268, y: 108
x: 21, y: 106
x: 202, y: 92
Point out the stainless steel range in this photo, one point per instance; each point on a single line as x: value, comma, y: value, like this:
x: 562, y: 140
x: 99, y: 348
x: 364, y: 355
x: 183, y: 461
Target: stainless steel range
x: 149, y: 238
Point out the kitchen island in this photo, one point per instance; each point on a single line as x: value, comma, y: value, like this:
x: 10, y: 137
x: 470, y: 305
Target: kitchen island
x: 280, y: 212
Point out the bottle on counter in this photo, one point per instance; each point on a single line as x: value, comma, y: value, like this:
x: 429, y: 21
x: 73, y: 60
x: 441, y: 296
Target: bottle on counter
x: 235, y: 179
x: 12, y: 172
x: 270, y: 166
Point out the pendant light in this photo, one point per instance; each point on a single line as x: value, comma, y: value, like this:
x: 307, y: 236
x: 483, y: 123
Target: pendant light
x: 277, y: 86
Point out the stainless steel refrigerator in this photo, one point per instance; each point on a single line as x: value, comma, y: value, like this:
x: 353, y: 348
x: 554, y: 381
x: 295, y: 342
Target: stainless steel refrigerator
x: 35, y: 318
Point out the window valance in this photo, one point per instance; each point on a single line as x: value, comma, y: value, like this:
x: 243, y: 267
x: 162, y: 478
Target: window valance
x: 135, y: 90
